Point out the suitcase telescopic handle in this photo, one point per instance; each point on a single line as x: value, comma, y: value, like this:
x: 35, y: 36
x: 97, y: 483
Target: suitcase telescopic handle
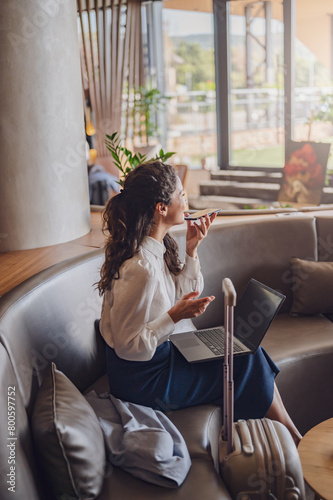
x: 229, y: 292
x: 230, y: 298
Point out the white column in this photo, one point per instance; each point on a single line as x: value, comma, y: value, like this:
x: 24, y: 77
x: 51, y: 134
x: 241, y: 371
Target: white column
x: 44, y: 197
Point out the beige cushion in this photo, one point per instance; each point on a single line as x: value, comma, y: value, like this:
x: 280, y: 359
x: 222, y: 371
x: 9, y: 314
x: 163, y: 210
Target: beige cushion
x: 68, y: 438
x: 312, y: 287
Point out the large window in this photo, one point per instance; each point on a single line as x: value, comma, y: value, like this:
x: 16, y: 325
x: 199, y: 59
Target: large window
x: 313, y: 79
x: 189, y: 68
x: 274, y: 81
x: 256, y: 84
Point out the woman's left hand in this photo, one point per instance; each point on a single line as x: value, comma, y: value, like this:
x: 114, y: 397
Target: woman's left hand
x: 196, y: 232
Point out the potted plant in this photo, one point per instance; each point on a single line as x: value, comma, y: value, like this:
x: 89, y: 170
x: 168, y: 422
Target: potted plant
x: 147, y: 102
x: 323, y: 114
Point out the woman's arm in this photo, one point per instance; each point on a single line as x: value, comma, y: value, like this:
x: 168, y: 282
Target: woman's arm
x: 128, y: 326
x: 190, y: 279
x: 134, y: 336
x: 189, y: 307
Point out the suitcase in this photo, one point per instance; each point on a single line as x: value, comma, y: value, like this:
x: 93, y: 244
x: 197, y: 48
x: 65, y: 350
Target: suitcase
x: 258, y: 458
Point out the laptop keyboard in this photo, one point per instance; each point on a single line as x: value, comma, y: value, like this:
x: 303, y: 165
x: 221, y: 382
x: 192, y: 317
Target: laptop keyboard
x: 214, y: 340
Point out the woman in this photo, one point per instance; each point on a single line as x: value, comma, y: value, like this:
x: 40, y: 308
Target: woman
x: 149, y: 294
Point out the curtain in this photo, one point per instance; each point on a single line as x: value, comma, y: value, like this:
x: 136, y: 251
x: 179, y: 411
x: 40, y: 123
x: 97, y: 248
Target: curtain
x: 111, y: 63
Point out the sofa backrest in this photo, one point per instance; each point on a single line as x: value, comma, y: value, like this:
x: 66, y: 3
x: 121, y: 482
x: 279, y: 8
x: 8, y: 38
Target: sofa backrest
x: 324, y: 225
x: 251, y: 247
x: 50, y: 317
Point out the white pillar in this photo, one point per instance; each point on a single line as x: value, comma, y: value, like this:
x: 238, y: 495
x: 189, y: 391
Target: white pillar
x: 44, y: 197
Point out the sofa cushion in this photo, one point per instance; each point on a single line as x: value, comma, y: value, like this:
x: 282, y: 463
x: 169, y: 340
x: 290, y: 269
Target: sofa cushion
x: 201, y: 483
x: 200, y: 426
x: 290, y: 338
x: 68, y: 438
x: 302, y: 347
x: 312, y: 287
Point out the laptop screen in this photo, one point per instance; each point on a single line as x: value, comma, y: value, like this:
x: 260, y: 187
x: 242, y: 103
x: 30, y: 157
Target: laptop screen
x: 255, y: 311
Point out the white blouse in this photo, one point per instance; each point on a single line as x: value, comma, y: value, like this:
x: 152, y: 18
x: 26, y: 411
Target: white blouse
x: 134, y: 318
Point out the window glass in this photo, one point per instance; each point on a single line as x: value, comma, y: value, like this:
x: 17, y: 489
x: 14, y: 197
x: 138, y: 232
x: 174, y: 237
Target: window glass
x: 189, y: 67
x: 256, y: 84
x: 313, y: 78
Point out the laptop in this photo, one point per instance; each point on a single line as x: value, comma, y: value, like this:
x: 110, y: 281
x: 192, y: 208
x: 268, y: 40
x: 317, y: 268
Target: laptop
x: 254, y: 313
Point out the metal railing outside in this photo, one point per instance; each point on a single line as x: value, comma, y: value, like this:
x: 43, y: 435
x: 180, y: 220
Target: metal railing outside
x: 192, y: 112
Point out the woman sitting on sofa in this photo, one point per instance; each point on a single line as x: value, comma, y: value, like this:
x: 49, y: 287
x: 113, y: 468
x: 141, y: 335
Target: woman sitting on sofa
x: 149, y: 294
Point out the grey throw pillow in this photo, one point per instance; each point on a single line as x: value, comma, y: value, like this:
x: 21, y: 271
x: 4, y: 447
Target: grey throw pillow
x: 312, y: 287
x: 68, y: 438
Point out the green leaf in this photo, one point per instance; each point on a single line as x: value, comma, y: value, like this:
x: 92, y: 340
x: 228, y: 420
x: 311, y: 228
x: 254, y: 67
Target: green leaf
x: 127, y: 152
x: 124, y: 159
x: 166, y: 156
x: 111, y: 137
x: 115, y: 157
x: 136, y: 162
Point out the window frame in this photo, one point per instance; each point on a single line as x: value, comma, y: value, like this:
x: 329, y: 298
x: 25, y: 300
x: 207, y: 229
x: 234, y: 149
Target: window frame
x: 221, y: 12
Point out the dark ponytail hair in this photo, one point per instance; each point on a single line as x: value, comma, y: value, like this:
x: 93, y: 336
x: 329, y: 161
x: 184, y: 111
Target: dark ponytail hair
x: 128, y: 218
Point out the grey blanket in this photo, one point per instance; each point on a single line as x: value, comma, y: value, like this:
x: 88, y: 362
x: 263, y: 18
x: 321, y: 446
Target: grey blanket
x: 142, y: 441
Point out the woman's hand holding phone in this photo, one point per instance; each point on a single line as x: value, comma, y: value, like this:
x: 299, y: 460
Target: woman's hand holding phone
x: 196, y: 232
x: 202, y: 213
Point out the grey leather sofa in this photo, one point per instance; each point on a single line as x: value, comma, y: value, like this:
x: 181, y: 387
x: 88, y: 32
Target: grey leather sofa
x: 50, y: 318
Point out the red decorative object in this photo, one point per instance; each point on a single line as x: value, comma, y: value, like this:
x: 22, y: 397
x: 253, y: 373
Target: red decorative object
x: 304, y: 173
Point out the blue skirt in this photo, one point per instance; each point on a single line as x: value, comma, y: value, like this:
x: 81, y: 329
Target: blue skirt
x: 168, y: 382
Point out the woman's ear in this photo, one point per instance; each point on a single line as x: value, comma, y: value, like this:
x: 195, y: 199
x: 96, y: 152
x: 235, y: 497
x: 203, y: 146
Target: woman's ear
x: 161, y: 209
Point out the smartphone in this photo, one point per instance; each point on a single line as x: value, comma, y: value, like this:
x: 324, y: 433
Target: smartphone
x: 202, y: 213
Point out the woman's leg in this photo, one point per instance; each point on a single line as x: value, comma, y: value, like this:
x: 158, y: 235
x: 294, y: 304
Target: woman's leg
x: 277, y: 411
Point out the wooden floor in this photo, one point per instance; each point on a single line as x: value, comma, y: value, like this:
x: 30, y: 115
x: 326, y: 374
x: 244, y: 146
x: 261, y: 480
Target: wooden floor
x: 16, y: 267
